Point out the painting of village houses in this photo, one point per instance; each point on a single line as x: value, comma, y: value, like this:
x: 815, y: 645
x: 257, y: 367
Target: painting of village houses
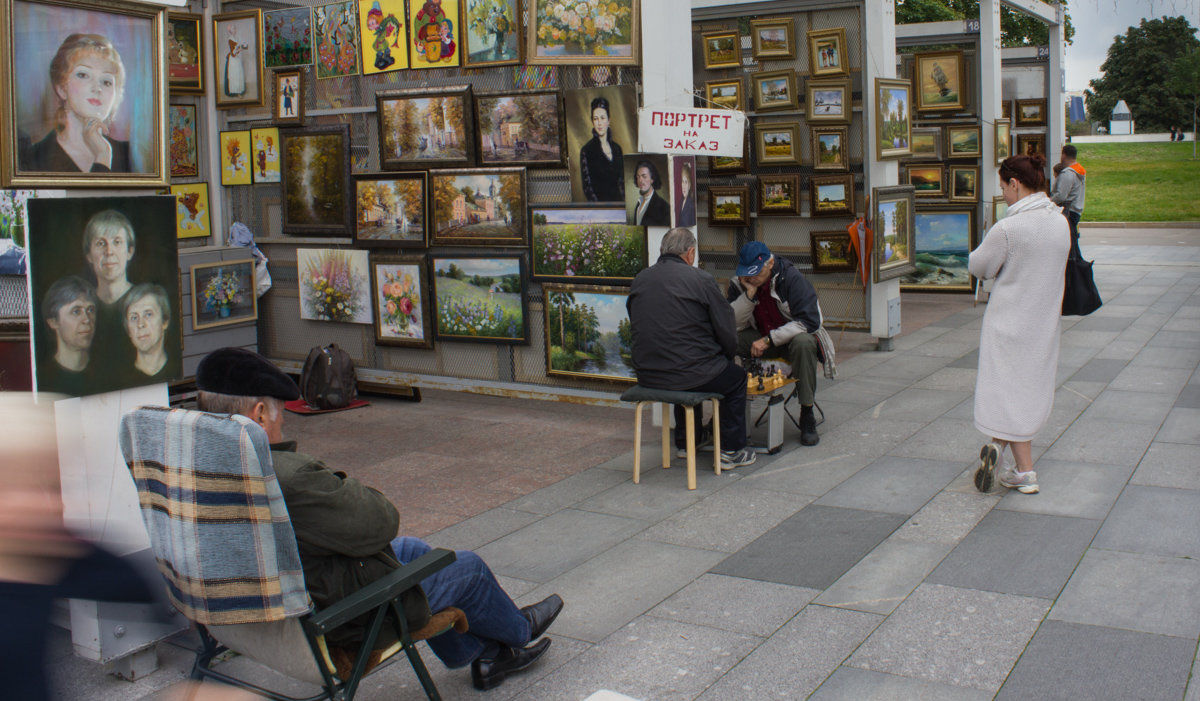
x: 419, y: 129
x: 481, y: 207
x: 391, y: 210
x: 520, y: 128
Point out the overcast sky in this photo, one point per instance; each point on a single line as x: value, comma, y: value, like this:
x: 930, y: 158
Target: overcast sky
x: 1098, y: 21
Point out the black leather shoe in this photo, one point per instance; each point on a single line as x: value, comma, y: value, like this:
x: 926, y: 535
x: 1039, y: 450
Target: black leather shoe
x: 542, y: 614
x: 489, y: 673
x: 808, y: 428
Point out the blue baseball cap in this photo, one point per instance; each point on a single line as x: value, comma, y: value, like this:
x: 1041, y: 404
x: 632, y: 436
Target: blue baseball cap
x: 753, y: 256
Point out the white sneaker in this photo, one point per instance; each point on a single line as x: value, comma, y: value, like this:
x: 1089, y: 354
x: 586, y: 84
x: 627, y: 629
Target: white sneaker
x: 1023, y: 482
x: 737, y: 458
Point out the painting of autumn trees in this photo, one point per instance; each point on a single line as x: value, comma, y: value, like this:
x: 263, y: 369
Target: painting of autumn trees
x: 524, y: 128
x: 419, y: 129
x: 391, y: 210
x: 316, y: 180
x: 483, y: 207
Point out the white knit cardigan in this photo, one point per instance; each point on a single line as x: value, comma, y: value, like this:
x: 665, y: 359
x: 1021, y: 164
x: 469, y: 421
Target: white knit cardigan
x: 1026, y: 252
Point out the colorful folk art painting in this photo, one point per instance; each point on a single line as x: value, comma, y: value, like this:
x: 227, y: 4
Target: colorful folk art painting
x: 266, y: 154
x: 384, y: 35
x: 287, y: 37
x: 335, y: 34
x: 235, y: 158
x: 191, y: 210
x: 434, y: 34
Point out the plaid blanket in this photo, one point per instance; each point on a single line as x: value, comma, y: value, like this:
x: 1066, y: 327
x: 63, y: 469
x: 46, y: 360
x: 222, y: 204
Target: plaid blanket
x: 215, y: 513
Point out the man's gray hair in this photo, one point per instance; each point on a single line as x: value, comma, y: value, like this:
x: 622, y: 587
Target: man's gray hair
x: 677, y: 242
x: 218, y: 403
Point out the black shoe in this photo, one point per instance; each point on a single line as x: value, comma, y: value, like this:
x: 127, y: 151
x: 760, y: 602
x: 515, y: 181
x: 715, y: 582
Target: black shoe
x: 808, y: 427
x: 489, y: 673
x: 542, y: 614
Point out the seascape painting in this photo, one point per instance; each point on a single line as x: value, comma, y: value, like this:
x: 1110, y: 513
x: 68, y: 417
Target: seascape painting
x: 943, y: 243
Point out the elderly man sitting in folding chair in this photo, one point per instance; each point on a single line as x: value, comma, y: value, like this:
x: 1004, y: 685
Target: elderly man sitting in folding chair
x: 778, y: 316
x: 346, y: 533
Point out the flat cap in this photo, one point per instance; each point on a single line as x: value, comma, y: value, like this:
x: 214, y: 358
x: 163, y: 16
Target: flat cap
x: 243, y: 373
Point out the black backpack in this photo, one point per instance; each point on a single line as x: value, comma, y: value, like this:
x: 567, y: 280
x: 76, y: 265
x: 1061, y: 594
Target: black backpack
x: 328, y: 380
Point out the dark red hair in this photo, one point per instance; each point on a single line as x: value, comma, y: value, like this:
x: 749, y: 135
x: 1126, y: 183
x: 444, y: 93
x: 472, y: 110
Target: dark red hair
x: 1029, y: 170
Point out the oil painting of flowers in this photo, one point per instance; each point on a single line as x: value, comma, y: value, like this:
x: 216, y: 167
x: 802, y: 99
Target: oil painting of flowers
x: 223, y: 294
x: 584, y: 32
x: 586, y: 243
x: 481, y: 298
x: 333, y: 285
x: 401, y: 290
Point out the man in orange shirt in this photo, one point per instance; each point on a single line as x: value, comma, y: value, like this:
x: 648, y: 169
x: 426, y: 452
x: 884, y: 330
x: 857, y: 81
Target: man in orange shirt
x: 1069, y: 189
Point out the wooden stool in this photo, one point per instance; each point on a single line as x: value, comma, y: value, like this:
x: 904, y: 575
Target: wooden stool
x: 688, y: 400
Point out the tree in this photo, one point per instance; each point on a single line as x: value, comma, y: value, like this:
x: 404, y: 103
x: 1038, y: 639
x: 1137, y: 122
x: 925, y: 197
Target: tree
x: 1016, y: 28
x: 561, y: 299
x: 1138, y: 70
x: 1185, y: 80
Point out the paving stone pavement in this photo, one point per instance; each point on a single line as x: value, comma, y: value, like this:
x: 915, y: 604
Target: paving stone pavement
x: 869, y: 567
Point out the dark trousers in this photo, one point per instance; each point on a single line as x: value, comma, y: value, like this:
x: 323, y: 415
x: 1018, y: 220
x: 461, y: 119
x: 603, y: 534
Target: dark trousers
x: 801, y: 352
x: 731, y: 383
x: 1073, y: 221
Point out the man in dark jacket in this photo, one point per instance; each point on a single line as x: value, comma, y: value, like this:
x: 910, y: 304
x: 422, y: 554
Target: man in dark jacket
x: 777, y: 312
x: 346, y: 533
x: 684, y: 340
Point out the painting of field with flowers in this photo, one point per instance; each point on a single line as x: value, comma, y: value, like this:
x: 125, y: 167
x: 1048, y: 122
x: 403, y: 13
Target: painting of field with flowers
x: 586, y: 243
x: 334, y: 285
x: 223, y: 294
x: 584, y: 32
x: 481, y: 298
x: 400, y: 287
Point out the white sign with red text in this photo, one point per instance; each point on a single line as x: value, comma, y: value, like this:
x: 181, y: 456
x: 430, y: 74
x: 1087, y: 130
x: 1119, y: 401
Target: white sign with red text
x: 691, y: 131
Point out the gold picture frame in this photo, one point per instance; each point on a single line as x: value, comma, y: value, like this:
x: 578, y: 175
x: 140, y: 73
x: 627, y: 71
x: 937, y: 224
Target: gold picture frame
x: 1003, y: 140
x: 927, y: 179
x: 237, y: 59
x: 223, y: 294
x: 185, y: 53
x: 1029, y: 144
x: 830, y: 148
x: 963, y: 183
x: 722, y: 49
x: 779, y: 194
x: 556, y: 39
x: 964, y: 141
x: 832, y: 195
x: 938, y: 81
x: 1031, y: 113
x: 893, y: 118
x: 288, y: 96
x: 827, y: 54
x: 728, y: 205
x: 773, y: 38
x: 725, y: 94
x: 775, y: 90
x: 829, y: 101
x: 777, y: 143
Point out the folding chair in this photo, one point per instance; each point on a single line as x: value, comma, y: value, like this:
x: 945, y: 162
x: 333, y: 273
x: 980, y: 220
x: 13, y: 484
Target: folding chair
x: 225, y: 546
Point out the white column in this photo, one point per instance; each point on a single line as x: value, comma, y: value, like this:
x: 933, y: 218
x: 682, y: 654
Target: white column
x: 666, y: 73
x: 990, y: 97
x: 1055, y: 89
x: 879, y: 38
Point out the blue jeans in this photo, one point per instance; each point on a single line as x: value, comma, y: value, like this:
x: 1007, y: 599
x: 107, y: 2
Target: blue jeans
x: 469, y: 585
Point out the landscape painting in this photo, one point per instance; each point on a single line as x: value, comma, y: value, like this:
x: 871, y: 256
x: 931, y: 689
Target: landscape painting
x: 423, y: 128
x: 520, y: 128
x: 832, y: 194
x: 831, y: 252
x: 943, y: 243
x: 829, y: 148
x: 586, y: 243
x: 926, y: 179
x: 480, y: 298
x: 588, y: 333
x: 390, y: 210
x: 893, y: 250
x: 892, y: 119
x: 316, y: 180
x: 478, y: 207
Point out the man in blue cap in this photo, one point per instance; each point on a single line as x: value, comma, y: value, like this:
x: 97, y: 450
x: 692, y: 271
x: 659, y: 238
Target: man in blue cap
x: 777, y: 313
x: 684, y: 339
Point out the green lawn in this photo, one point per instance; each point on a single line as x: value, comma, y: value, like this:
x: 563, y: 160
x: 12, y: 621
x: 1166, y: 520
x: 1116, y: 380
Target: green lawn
x: 1141, y: 182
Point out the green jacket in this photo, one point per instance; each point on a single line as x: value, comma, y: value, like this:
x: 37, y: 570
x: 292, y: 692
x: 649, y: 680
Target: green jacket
x: 344, y: 531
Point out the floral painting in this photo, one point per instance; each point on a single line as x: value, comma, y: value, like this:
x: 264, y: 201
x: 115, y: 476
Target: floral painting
x: 335, y: 34
x: 401, y: 290
x: 481, y: 298
x: 12, y: 214
x: 384, y: 35
x: 584, y: 32
x: 235, y: 158
x: 223, y: 294
x: 191, y: 210
x: 491, y: 33
x: 316, y: 180
x: 586, y: 243
x: 287, y: 37
x: 588, y: 333
x: 390, y: 210
x: 435, y: 30
x: 334, y: 285
x: 184, y: 159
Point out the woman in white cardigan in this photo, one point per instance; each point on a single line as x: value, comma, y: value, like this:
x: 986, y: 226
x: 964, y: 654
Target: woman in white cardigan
x: 1026, y: 253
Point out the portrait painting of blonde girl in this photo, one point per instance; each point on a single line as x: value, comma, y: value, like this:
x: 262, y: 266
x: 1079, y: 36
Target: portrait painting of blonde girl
x: 87, y: 99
